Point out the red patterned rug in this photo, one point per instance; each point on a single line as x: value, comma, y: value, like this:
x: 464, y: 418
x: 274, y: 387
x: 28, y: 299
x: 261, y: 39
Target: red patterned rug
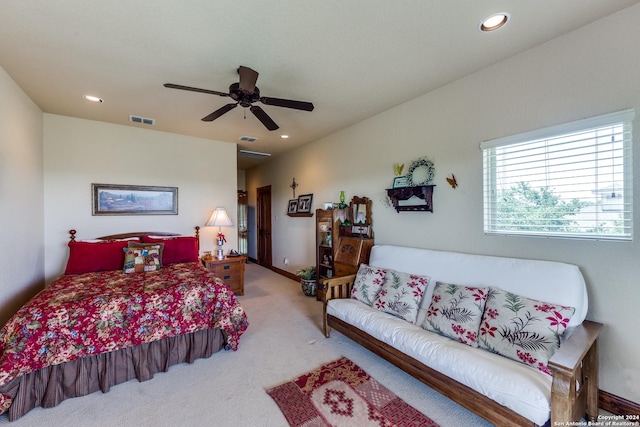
x: 341, y: 394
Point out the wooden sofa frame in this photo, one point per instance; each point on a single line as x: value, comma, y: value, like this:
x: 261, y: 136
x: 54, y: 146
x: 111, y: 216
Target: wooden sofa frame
x: 574, y: 390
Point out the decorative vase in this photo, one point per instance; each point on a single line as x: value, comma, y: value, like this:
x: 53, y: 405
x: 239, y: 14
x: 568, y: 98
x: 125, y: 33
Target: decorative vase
x: 308, y: 287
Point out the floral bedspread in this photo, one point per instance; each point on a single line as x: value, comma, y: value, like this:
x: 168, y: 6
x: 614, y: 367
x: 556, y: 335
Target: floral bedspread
x: 93, y: 313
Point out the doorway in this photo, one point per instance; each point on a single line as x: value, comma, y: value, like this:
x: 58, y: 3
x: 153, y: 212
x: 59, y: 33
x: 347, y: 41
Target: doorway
x: 243, y: 231
x: 264, y: 226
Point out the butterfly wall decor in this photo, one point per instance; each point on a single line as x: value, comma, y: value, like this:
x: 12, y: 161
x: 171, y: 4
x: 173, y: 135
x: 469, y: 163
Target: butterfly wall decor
x: 452, y: 181
x: 397, y: 168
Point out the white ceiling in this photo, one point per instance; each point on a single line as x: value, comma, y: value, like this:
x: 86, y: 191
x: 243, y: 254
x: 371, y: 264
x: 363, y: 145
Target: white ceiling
x: 351, y: 58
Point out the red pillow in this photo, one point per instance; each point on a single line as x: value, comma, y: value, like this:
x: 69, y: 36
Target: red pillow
x: 176, y: 249
x: 85, y: 257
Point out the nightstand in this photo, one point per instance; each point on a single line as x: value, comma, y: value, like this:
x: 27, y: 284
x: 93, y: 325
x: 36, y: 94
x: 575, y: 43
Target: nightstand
x: 230, y: 270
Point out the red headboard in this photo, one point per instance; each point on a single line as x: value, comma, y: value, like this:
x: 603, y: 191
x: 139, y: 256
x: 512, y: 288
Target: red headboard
x: 72, y: 235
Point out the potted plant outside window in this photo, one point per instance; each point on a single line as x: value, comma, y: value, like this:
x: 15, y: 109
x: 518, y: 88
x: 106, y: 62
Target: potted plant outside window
x: 307, y: 277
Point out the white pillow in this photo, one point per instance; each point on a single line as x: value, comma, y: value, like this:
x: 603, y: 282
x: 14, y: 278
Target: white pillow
x: 456, y: 312
x: 521, y: 328
x: 367, y: 284
x: 401, y: 294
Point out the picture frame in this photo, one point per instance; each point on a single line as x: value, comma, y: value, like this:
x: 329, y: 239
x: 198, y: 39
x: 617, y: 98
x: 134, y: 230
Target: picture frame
x: 115, y: 199
x: 304, y: 203
x: 293, y: 206
x: 400, y: 182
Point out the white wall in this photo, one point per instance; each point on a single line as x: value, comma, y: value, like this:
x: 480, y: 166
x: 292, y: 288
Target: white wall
x: 591, y: 71
x: 21, y: 198
x: 80, y: 152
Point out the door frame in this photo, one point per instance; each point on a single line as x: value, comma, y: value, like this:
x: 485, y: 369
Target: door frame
x: 263, y: 225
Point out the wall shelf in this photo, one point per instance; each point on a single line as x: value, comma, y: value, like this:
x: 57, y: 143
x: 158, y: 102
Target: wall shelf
x: 424, y: 192
x: 307, y: 215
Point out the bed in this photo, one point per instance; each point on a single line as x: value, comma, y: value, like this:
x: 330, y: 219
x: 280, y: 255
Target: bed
x: 127, y: 306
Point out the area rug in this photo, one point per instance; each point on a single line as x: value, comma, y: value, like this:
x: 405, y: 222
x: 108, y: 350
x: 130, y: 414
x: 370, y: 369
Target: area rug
x: 342, y: 394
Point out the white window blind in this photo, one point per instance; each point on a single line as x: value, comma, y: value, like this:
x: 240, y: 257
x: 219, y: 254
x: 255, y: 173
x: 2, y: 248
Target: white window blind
x: 571, y: 180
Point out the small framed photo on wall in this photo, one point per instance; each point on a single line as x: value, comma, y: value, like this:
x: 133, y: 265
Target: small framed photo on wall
x: 400, y: 182
x: 293, y: 206
x: 304, y: 203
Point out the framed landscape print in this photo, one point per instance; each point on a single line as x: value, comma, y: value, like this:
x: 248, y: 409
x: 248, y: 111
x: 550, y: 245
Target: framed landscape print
x: 113, y: 199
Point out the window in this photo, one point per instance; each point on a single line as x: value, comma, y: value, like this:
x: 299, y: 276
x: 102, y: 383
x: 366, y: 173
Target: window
x: 571, y: 180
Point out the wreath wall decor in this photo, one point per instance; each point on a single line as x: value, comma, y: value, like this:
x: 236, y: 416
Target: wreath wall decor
x: 421, y: 172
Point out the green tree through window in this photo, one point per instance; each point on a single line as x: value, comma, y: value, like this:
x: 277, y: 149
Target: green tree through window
x: 522, y: 208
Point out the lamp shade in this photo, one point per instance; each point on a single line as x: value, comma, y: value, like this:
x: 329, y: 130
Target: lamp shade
x: 219, y: 218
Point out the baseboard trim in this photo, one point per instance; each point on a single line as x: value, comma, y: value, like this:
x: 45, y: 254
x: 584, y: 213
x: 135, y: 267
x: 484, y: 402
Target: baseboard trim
x: 617, y: 405
x: 607, y: 401
x: 285, y: 273
x: 281, y: 272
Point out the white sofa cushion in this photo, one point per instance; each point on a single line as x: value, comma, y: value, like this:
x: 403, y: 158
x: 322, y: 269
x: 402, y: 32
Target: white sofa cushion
x: 520, y: 388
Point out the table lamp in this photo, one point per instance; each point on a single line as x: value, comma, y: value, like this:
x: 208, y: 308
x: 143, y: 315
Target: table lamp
x: 219, y: 218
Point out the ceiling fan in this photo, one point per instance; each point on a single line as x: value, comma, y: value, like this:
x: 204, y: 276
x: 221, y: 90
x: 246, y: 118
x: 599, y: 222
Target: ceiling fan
x: 245, y: 93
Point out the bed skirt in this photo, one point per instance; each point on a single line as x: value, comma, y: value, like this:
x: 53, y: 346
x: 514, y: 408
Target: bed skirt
x: 50, y: 386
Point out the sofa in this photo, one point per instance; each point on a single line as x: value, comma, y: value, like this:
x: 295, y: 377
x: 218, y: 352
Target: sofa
x: 482, y: 377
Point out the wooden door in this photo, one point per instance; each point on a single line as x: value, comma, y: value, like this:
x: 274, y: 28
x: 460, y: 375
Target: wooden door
x: 264, y: 226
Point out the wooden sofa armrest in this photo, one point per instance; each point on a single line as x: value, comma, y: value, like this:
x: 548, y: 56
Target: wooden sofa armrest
x: 574, y: 390
x: 335, y: 287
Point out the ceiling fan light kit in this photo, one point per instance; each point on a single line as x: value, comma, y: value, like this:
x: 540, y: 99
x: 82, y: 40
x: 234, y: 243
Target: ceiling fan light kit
x: 245, y: 93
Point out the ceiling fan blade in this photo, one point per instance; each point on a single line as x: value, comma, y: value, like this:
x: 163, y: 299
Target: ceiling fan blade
x: 287, y: 103
x: 220, y: 111
x: 263, y: 117
x: 194, y: 89
x: 248, y: 79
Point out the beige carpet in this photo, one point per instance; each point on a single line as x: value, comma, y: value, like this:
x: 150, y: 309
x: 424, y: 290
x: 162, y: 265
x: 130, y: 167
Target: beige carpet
x: 284, y: 340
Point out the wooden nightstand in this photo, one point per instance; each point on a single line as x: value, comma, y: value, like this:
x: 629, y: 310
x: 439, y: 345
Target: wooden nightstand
x: 230, y: 270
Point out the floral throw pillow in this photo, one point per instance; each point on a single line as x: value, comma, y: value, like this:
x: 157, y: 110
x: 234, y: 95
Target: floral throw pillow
x: 456, y: 311
x: 367, y: 284
x: 522, y: 329
x: 142, y: 258
x: 401, y: 294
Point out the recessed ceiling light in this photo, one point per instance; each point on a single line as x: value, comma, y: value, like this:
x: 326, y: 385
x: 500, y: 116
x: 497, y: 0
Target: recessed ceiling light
x: 494, y: 22
x: 92, y: 98
x: 284, y: 136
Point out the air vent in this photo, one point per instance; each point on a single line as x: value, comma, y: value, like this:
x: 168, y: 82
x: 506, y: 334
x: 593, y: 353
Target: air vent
x: 248, y: 138
x: 143, y: 120
x: 254, y: 154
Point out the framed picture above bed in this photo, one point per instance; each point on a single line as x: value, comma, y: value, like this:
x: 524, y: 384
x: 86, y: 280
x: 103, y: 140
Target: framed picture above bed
x: 113, y: 199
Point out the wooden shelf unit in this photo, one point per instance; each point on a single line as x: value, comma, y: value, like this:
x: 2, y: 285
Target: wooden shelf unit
x: 340, y: 249
x: 424, y: 192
